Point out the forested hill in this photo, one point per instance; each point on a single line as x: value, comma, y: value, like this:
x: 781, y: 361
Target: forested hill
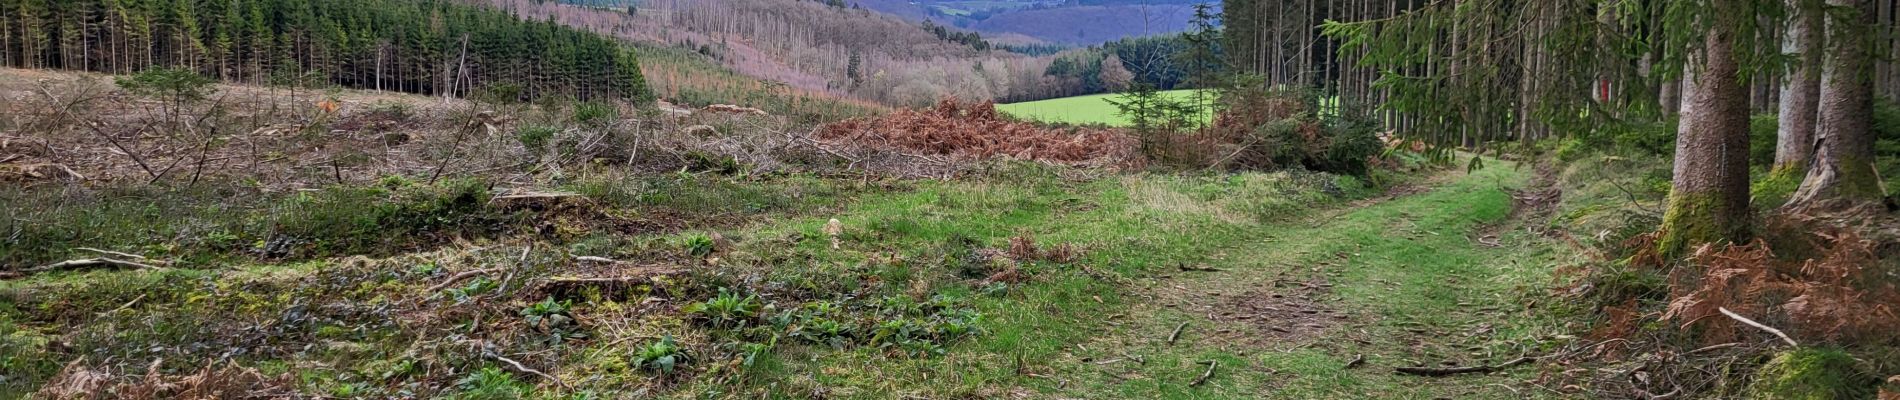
x: 418, y: 46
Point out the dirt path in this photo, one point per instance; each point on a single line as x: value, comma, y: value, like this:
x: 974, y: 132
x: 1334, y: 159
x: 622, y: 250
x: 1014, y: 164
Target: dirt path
x: 1327, y: 307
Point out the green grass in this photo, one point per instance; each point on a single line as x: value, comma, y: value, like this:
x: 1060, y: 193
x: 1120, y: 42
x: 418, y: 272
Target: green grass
x: 1091, y: 109
x: 1096, y: 109
x: 903, y: 259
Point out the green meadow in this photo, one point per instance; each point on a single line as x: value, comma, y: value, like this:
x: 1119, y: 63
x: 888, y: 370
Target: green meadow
x: 1091, y: 109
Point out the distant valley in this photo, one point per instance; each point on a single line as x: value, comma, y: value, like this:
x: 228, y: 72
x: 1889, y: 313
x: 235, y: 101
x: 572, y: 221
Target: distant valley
x: 1068, y: 23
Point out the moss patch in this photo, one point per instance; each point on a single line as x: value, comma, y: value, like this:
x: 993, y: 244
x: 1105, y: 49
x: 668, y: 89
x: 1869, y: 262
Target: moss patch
x: 1774, y: 188
x: 1811, y: 374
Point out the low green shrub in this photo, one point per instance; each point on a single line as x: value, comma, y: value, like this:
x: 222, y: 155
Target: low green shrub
x: 594, y: 113
x: 491, y: 383
x: 661, y: 356
x: 1762, y: 132
x: 536, y: 138
x: 356, y: 220
x: 727, y: 310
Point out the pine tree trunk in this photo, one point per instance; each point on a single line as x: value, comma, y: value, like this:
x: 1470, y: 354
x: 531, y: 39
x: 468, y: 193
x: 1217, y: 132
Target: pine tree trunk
x: 1708, y: 201
x: 1843, y: 157
x: 1801, y: 91
x: 1883, y: 67
x: 1670, y: 97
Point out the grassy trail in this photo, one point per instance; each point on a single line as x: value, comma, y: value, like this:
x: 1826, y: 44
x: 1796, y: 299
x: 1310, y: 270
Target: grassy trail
x: 1401, y: 280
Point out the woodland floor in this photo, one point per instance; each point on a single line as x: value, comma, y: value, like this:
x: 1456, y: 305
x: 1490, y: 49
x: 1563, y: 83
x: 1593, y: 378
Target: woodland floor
x: 1282, y: 280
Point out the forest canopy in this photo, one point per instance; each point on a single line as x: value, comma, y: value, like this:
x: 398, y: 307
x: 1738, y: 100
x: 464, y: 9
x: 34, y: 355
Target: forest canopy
x: 417, y: 46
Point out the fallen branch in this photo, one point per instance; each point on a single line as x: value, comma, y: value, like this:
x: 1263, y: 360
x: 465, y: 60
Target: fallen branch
x: 1138, y: 359
x: 616, y: 279
x: 89, y: 263
x: 1713, y: 348
x: 1784, y: 337
x: 594, y: 259
x: 534, y: 196
x: 123, y: 307
x: 1204, y: 375
x: 814, y: 143
x: 524, y: 368
x: 111, y: 253
x: 128, y: 152
x: 1189, y: 268
x: 1177, y: 333
x: 458, y: 277
x: 1422, y: 371
x: 1666, y: 396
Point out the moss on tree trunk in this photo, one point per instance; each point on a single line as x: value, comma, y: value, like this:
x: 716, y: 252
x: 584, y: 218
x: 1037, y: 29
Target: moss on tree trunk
x: 1698, y: 218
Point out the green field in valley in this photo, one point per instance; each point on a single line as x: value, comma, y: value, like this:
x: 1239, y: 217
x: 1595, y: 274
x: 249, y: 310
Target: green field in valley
x: 1091, y: 109
x: 1096, y: 108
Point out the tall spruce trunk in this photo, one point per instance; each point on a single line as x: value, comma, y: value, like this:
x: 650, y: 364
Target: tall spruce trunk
x: 1843, y: 158
x: 1671, y: 97
x: 1708, y: 200
x: 1801, y: 91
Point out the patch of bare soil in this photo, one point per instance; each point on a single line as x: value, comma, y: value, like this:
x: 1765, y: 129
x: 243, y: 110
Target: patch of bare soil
x: 1540, y: 199
x: 1535, y: 202
x: 1288, y: 311
x: 570, y: 216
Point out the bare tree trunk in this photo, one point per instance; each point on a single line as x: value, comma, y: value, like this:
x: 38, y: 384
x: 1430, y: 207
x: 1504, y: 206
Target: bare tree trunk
x: 1801, y: 91
x: 1708, y: 201
x: 1843, y: 158
x: 1885, y: 74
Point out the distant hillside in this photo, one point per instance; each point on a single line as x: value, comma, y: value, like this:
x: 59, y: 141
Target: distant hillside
x: 686, y: 77
x: 417, y: 46
x: 1070, y: 22
x: 1088, y: 25
x: 830, y: 47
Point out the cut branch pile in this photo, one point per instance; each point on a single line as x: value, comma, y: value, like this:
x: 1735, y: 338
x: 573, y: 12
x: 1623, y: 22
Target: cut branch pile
x: 975, y: 131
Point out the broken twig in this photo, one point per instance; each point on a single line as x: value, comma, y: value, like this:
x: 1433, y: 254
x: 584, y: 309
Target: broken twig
x: 1713, y: 348
x: 1190, y: 268
x: 1204, y: 375
x: 1784, y: 337
x: 524, y: 368
x: 89, y: 263
x: 1422, y: 371
x: 1177, y: 333
x: 458, y: 277
x: 111, y: 253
